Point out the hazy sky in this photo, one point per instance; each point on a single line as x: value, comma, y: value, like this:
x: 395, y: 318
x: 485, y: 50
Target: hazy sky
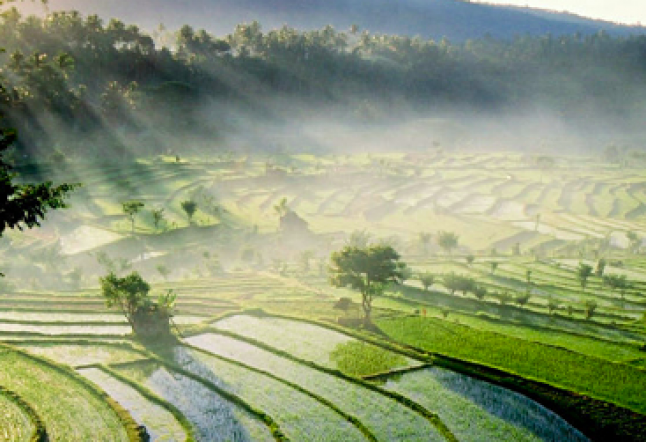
x: 624, y: 11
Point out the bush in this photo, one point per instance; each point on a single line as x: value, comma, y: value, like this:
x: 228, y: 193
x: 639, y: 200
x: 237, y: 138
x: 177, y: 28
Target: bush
x: 130, y: 295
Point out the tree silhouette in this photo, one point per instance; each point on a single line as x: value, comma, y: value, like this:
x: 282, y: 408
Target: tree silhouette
x: 427, y: 279
x: 479, y: 292
x: 425, y: 239
x: 635, y: 241
x: 163, y: 271
x: 23, y: 205
x: 590, y: 307
x: 158, y: 217
x: 447, y: 241
x: 131, y: 208
x: 601, y: 266
x: 281, y: 208
x: 367, y: 270
x: 189, y: 207
x: 130, y: 295
x: 583, y: 272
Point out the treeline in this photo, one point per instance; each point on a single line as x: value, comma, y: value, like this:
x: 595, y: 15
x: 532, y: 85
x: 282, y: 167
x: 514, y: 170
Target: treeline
x: 76, y: 85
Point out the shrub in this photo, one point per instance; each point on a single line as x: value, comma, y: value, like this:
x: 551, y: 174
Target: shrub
x: 130, y: 295
x: 590, y: 307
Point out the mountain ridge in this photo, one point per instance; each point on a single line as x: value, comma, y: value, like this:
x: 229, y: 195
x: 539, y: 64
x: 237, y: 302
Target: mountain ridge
x: 457, y: 20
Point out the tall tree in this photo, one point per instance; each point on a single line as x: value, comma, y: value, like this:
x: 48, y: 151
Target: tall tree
x: 426, y: 279
x: 130, y: 295
x: 367, y: 270
x: 583, y: 272
x: 131, y: 208
x: 23, y: 204
x: 635, y: 241
x: 601, y: 266
x: 447, y: 240
x: 425, y: 239
x: 158, y: 217
x: 189, y: 207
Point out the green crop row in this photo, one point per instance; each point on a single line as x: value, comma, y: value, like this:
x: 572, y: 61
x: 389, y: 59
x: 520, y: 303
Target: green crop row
x: 430, y: 416
x: 152, y: 397
x: 52, y: 375
x: 275, y: 429
x: 326, y: 403
x: 597, y: 419
x: 318, y: 344
x: 356, y: 334
x: 39, y: 433
x: 75, y: 353
x: 618, y: 383
x: 469, y: 306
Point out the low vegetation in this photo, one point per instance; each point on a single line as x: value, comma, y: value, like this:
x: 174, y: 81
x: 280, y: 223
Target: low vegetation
x: 565, y: 314
x: 68, y: 407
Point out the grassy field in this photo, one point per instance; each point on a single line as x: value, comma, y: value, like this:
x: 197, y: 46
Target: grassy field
x: 16, y: 421
x: 302, y: 369
x: 476, y: 410
x: 160, y: 423
x: 70, y: 410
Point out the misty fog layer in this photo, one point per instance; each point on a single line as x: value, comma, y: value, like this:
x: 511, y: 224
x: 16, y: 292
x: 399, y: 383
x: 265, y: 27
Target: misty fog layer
x: 78, y: 87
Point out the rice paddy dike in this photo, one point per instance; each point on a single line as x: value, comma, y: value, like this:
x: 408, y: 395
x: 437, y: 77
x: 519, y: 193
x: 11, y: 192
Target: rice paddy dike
x: 263, y: 351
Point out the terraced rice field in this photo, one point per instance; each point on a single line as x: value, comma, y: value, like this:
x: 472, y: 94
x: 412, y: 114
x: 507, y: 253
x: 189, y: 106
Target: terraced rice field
x: 16, y: 424
x: 212, y: 417
x: 300, y: 416
x: 304, y: 341
x: 384, y: 417
x: 245, y: 376
x: 61, y: 400
x: 81, y: 354
x: 160, y: 424
x: 475, y: 410
x: 557, y: 366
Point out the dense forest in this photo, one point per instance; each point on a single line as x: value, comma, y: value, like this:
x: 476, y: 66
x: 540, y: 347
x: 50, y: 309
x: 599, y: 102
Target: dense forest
x: 75, y: 86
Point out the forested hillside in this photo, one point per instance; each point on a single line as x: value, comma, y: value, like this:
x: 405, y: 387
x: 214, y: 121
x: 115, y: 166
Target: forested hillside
x: 124, y: 91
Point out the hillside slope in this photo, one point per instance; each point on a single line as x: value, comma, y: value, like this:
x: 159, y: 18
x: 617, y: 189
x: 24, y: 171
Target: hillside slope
x: 457, y: 20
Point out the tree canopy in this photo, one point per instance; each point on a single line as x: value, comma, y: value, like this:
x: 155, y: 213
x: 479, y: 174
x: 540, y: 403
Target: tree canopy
x: 25, y: 204
x: 131, y: 208
x: 447, y: 240
x: 583, y: 272
x: 366, y: 269
x: 130, y: 295
x: 22, y: 204
x: 98, y: 76
x: 189, y: 207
